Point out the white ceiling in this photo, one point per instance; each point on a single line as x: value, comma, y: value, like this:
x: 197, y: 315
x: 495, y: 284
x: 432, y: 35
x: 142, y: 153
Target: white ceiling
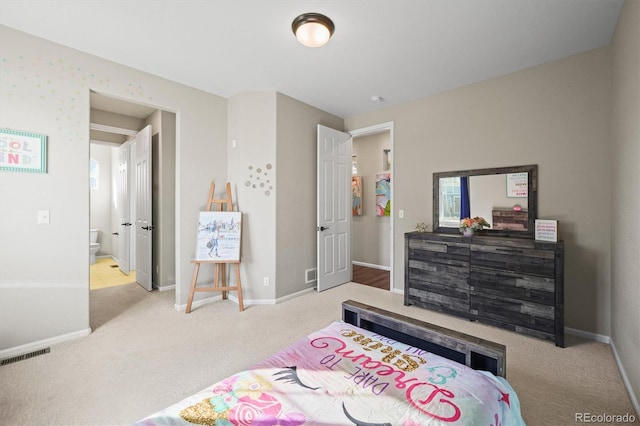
x: 397, y: 49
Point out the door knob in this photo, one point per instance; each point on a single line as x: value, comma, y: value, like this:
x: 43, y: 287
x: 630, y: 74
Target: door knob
x: 114, y: 233
x: 323, y: 228
x: 125, y: 224
x: 148, y: 228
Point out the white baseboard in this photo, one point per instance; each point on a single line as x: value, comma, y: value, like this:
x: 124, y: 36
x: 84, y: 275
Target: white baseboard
x: 245, y: 302
x: 167, y: 288
x: 607, y: 340
x: 42, y: 344
x: 625, y: 379
x: 372, y: 265
x: 294, y: 295
x: 588, y: 335
x: 198, y: 303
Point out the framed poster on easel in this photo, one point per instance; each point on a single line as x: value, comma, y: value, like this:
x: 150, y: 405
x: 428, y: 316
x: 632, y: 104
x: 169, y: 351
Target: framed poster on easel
x: 218, y: 236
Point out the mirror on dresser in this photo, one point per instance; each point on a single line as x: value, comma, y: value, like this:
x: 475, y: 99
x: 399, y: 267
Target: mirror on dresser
x: 507, y: 197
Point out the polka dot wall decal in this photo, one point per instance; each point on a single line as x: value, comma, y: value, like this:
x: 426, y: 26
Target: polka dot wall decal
x: 64, y: 78
x: 260, y: 178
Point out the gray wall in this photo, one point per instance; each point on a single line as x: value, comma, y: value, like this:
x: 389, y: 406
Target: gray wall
x: 252, y: 174
x: 296, y: 201
x: 273, y: 172
x: 625, y: 200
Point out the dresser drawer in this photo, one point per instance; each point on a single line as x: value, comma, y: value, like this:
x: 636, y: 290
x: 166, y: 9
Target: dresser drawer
x: 441, y: 252
x: 446, y: 300
x: 511, y: 285
x: 532, y: 318
x: 439, y: 287
x: 521, y: 260
x: 437, y: 275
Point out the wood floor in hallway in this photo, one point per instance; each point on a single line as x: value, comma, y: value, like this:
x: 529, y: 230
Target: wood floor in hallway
x: 372, y: 277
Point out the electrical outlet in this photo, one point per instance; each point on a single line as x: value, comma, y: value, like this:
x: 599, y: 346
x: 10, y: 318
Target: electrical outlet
x: 266, y: 281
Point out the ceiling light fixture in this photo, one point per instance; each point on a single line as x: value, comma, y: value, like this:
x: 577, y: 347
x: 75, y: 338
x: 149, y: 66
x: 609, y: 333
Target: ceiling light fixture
x: 312, y: 29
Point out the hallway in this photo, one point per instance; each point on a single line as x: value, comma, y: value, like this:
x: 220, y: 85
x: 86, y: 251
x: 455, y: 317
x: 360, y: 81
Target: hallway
x: 371, y: 277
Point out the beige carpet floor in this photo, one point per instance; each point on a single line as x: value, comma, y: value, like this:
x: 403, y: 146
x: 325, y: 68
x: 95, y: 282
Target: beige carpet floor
x: 143, y: 356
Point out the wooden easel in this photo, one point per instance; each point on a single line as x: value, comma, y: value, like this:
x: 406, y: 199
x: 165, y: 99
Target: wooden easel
x: 218, y: 264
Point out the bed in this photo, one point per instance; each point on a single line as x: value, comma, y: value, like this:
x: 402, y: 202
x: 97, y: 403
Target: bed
x: 374, y: 367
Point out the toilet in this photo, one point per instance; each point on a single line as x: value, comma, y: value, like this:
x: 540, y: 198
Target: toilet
x: 94, y: 246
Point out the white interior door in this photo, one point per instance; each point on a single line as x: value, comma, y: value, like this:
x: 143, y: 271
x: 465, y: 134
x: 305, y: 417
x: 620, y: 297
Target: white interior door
x: 144, y: 225
x: 124, y: 217
x: 334, y: 208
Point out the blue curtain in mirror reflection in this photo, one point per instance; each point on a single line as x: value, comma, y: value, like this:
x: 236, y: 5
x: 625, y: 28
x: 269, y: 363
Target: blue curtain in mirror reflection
x: 465, y: 208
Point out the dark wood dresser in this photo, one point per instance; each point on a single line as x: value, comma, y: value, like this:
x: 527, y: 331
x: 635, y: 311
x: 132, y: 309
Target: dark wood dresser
x: 512, y: 283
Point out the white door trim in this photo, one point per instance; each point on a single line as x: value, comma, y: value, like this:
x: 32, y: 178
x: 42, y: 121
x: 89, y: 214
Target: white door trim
x: 372, y: 130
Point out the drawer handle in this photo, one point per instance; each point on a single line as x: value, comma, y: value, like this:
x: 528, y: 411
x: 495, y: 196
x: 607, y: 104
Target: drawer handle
x: 506, y: 250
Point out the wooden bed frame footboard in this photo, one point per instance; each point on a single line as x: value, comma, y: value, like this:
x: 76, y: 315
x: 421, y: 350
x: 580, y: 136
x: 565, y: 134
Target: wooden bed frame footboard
x: 472, y: 351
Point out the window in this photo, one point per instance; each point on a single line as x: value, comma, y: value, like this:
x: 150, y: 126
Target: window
x: 450, y: 202
x: 94, y: 174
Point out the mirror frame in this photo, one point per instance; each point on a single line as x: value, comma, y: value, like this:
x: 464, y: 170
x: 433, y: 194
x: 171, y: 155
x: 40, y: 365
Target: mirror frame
x: 532, y: 205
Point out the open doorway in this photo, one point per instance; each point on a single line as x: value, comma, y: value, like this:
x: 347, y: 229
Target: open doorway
x: 114, y: 125
x: 372, y: 216
x: 105, y: 255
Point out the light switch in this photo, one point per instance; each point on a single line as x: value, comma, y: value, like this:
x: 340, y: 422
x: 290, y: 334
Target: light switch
x: 43, y: 216
x: 401, y: 214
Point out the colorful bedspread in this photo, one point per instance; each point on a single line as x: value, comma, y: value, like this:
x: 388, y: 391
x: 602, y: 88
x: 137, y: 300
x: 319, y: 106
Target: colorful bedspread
x: 344, y: 375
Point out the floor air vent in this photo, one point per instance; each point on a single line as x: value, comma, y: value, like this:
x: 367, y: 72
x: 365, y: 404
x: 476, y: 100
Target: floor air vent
x: 310, y: 275
x: 24, y: 356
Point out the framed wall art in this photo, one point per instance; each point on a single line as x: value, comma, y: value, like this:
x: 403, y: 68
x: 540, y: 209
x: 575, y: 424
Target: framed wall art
x: 546, y: 230
x: 23, y: 151
x: 518, y: 185
x: 218, y: 236
x: 383, y: 194
x: 356, y: 195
